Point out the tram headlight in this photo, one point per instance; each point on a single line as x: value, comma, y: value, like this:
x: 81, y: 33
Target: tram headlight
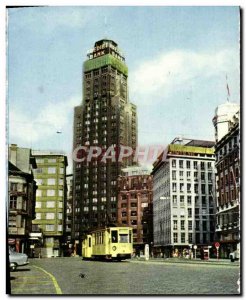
x: 114, y: 248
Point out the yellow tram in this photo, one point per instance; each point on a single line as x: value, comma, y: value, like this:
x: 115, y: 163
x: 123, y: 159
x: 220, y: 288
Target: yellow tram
x: 113, y: 243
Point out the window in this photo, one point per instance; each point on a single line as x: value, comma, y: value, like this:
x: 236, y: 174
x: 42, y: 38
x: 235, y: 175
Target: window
x: 195, y: 164
x: 202, y: 175
x: 182, y: 225
x: 39, y: 181
x: 50, y: 192
x: 50, y: 216
x: 188, y: 164
x: 59, y: 227
x: 181, y: 175
x: 175, y: 224
x: 38, y: 216
x: 173, y: 175
x: 174, y: 200
x: 51, y: 160
x: 190, y: 238
x: 123, y: 238
x: 181, y: 200
x: 175, y: 237
x: 197, y: 225
x: 38, y: 204
x: 203, y: 189
x: 61, y: 170
x: 204, y: 202
x: 174, y: 187
x: 49, y: 227
x: 181, y: 186
x: 13, y: 186
x: 197, y: 212
x: 60, y: 216
x: 174, y: 163
x: 50, y: 204
x: 60, y: 193
x: 188, y: 188
x: 51, y: 170
x: 39, y: 160
x: 60, y: 204
x: 189, y: 200
x: 114, y: 236
x: 13, y: 202
x: 182, y: 237
x: 51, y: 181
x: 202, y: 165
x: 181, y: 164
x: 204, y: 225
x: 188, y: 175
x: 38, y: 193
x: 189, y: 225
x: 189, y: 212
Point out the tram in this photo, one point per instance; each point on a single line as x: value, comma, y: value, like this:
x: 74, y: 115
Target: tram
x: 110, y: 243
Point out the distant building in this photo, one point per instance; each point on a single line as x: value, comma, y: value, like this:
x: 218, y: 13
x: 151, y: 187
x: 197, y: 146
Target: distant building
x: 135, y: 205
x: 224, y: 115
x: 22, y: 197
x: 50, y: 176
x: 69, y: 209
x: 105, y: 119
x: 184, y: 197
x: 227, y: 153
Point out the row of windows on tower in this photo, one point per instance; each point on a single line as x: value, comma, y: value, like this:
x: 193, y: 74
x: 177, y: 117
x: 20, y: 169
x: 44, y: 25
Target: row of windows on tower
x: 99, y: 72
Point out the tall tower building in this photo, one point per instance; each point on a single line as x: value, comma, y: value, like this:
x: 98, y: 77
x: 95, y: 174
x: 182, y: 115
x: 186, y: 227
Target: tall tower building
x: 105, y: 119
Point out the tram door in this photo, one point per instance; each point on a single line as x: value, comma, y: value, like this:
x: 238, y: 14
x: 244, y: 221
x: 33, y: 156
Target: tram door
x: 87, y: 247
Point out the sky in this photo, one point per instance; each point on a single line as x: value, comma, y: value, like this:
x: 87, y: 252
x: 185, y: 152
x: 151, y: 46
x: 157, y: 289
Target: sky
x: 178, y: 60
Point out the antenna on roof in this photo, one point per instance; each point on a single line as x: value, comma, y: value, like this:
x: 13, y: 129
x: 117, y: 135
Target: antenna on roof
x: 228, y: 90
x: 106, y: 27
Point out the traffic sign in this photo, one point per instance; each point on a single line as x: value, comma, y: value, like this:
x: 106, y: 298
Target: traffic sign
x: 217, y: 245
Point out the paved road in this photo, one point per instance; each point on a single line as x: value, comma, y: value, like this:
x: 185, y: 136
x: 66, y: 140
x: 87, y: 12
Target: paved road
x: 74, y: 276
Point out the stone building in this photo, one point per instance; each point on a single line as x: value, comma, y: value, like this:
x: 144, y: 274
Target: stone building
x: 21, y: 197
x: 50, y: 176
x: 184, y: 197
x: 227, y: 153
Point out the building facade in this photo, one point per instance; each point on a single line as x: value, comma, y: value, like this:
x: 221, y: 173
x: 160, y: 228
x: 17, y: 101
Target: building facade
x: 22, y: 197
x: 227, y: 153
x: 50, y: 176
x: 184, y: 197
x: 106, y: 119
x: 135, y: 205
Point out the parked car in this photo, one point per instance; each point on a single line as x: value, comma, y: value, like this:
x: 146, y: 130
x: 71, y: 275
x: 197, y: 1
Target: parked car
x: 17, y: 259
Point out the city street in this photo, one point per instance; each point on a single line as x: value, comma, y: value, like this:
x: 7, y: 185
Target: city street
x: 72, y: 275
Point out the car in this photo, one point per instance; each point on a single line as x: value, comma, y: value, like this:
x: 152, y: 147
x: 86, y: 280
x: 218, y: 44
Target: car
x: 17, y: 259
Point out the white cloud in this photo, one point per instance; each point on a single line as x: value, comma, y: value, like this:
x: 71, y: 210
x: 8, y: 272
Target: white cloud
x: 27, y: 130
x: 174, y: 69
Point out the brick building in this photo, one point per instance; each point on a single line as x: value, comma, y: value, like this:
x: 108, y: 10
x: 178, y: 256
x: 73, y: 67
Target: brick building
x: 135, y: 205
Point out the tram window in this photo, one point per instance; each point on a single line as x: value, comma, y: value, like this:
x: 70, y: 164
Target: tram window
x: 114, y: 236
x: 123, y: 238
x: 89, y: 242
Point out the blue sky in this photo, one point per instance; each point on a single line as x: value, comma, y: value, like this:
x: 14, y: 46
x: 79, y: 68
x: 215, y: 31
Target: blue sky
x: 178, y: 58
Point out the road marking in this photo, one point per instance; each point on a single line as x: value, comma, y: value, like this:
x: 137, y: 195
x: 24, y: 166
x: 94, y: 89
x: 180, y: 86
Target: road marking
x: 30, y: 282
x: 58, y: 289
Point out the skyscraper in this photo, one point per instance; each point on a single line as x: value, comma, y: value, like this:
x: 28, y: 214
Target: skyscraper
x: 105, y: 119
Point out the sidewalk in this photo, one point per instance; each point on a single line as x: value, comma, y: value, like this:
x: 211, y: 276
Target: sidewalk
x: 213, y: 261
